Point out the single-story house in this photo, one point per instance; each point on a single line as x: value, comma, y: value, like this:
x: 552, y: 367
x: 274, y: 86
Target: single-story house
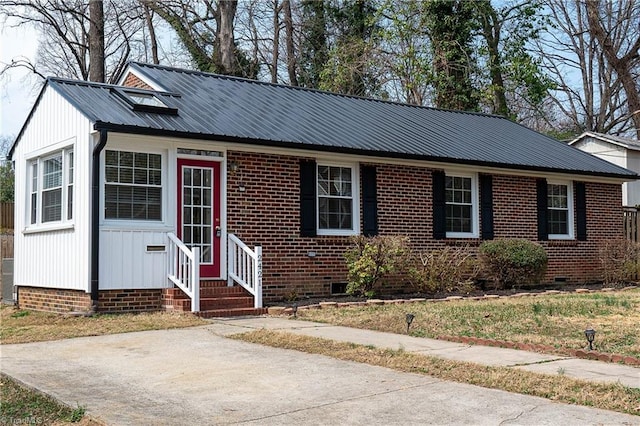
x: 179, y: 189
x: 624, y: 152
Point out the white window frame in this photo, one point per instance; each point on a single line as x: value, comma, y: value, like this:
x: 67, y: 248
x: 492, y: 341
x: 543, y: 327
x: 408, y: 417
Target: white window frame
x: 475, y: 208
x: 162, y: 186
x: 35, y: 186
x: 570, y: 235
x: 355, y: 200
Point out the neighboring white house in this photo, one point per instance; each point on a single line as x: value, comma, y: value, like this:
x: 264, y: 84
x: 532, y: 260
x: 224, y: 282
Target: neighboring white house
x: 623, y: 152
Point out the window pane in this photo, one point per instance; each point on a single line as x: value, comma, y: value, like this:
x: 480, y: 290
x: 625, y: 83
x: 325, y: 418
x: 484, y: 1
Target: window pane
x: 34, y: 208
x: 111, y: 174
x: 155, y: 161
x: 558, y: 222
x: 154, y: 177
x: 126, y: 159
x: 141, y: 160
x: 69, y: 202
x: 52, y: 174
x: 52, y: 205
x: 197, y: 181
x: 70, y: 166
x: 126, y: 175
x: 111, y: 158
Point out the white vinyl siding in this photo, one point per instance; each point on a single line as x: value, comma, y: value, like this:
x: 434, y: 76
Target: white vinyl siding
x: 53, y: 254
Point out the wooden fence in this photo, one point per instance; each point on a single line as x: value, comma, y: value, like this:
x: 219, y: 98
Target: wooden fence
x: 6, y: 215
x: 632, y: 224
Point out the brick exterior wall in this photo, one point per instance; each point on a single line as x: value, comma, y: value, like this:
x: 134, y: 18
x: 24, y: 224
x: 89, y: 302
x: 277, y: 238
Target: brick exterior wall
x: 140, y: 300
x: 133, y: 81
x: 53, y: 300
x: 66, y: 301
x: 263, y: 209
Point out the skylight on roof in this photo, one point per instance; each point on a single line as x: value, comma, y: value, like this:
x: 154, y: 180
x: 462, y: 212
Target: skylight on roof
x: 144, y: 101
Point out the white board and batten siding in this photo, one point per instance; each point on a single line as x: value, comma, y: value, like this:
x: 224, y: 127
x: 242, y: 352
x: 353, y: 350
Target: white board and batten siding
x: 133, y: 259
x: 55, y: 256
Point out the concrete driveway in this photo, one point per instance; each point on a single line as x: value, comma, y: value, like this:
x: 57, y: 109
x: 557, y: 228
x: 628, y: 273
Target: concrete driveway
x: 195, y: 377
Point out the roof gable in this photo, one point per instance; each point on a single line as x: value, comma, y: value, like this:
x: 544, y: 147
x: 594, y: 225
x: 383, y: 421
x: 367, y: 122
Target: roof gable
x: 628, y: 143
x: 214, y: 107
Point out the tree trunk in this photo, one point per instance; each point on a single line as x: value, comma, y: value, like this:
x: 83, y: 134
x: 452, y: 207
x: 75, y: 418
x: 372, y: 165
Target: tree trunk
x: 152, y: 33
x: 226, y: 46
x: 491, y: 31
x: 96, y: 41
x: 291, y: 54
x: 276, y: 42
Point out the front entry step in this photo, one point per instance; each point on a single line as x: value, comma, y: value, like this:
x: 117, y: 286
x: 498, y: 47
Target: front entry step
x: 235, y: 312
x: 216, y: 300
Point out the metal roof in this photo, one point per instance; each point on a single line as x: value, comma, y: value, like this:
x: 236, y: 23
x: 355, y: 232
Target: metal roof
x: 215, y: 107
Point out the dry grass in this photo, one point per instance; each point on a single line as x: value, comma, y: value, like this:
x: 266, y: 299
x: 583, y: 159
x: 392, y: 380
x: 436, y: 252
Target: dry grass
x: 559, y: 388
x: 18, y: 326
x: 556, y: 320
x: 23, y: 406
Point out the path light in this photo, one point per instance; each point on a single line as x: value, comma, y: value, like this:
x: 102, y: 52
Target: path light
x: 409, y: 318
x: 294, y: 309
x: 590, y: 334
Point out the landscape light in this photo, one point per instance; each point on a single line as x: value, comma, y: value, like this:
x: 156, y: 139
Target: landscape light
x: 590, y: 334
x: 409, y: 318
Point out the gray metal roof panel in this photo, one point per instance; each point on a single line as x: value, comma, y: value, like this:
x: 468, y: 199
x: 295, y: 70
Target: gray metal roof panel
x: 212, y: 106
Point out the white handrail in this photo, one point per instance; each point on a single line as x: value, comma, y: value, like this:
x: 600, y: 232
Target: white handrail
x: 183, y: 269
x: 245, y: 267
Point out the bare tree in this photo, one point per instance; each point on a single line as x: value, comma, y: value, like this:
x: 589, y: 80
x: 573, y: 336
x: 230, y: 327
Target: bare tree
x: 612, y: 24
x: 206, y: 29
x: 71, y: 39
x: 589, y: 94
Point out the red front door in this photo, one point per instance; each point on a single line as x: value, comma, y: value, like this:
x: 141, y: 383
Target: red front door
x: 199, y: 211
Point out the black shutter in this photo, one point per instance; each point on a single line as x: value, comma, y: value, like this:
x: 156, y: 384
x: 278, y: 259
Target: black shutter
x: 308, y: 209
x: 369, y: 201
x: 543, y: 230
x: 581, y: 211
x: 486, y: 206
x: 439, y: 205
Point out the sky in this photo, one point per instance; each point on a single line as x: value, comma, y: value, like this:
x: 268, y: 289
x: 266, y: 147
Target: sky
x: 18, y: 89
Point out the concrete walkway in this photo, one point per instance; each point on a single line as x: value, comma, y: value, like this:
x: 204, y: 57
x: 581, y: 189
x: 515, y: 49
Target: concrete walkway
x: 196, y: 376
x: 532, y: 361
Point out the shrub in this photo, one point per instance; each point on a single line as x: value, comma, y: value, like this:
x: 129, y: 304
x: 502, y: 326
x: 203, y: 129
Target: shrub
x: 448, y: 269
x: 371, y: 258
x: 513, y: 262
x: 620, y: 260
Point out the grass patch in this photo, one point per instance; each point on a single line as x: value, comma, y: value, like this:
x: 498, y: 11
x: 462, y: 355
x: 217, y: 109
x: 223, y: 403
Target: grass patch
x: 556, y: 320
x: 559, y: 388
x: 21, y: 405
x: 20, y: 326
